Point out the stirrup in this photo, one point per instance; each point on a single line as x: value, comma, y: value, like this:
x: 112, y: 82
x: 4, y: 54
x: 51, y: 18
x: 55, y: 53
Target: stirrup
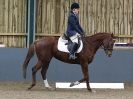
x: 71, y: 56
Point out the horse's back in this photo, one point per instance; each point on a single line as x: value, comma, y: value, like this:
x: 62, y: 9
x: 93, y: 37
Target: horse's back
x: 46, y: 41
x: 45, y: 45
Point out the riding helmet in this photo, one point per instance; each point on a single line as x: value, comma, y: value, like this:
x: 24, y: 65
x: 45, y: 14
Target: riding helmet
x: 75, y: 6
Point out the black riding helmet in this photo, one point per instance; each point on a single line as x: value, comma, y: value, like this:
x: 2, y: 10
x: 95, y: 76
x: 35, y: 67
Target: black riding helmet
x: 75, y: 6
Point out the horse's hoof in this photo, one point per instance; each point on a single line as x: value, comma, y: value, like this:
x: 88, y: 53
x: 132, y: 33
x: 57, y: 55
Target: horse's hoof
x: 50, y: 88
x: 72, y: 84
x: 29, y: 88
x: 93, y: 91
x: 89, y: 90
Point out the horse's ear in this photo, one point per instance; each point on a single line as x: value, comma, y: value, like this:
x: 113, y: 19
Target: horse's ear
x: 114, y: 37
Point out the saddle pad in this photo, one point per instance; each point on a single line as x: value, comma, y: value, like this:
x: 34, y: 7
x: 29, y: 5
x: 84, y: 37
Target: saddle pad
x: 63, y: 48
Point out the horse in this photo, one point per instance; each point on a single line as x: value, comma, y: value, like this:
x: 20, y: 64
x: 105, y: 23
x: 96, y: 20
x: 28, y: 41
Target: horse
x: 46, y: 49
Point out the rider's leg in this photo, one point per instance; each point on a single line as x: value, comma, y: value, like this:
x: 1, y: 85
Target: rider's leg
x: 74, y: 48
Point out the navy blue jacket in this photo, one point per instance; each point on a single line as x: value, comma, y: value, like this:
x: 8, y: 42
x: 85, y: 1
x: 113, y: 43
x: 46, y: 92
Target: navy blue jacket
x: 73, y: 25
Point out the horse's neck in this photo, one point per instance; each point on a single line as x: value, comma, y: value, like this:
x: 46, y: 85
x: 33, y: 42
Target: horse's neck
x: 96, y: 41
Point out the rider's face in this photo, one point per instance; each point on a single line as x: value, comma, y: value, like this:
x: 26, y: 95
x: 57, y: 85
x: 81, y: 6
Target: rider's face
x: 76, y: 11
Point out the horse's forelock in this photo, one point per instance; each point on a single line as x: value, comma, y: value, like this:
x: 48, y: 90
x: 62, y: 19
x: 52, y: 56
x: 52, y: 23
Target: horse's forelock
x: 114, y: 37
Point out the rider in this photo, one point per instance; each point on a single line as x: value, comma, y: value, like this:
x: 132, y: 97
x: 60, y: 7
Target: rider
x: 74, y: 30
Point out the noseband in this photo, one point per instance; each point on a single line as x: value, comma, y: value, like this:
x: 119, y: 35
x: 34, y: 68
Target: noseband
x: 106, y: 48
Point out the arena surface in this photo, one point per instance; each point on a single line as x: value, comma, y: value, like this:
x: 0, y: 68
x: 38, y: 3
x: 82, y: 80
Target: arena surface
x: 18, y: 90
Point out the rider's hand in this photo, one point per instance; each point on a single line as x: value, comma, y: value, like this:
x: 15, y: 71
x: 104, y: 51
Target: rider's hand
x: 83, y: 34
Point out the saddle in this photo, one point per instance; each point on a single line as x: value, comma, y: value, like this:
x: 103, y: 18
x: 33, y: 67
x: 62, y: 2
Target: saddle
x: 64, y: 44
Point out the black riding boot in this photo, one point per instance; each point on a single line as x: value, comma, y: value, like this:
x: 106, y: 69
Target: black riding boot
x: 74, y: 48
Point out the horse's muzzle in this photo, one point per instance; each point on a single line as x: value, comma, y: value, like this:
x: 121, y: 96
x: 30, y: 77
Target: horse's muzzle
x: 109, y: 53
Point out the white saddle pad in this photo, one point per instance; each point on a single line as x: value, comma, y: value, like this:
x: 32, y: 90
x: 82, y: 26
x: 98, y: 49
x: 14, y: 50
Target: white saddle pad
x: 63, y: 48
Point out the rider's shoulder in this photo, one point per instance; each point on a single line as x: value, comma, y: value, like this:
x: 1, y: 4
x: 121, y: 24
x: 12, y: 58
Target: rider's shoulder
x: 71, y: 14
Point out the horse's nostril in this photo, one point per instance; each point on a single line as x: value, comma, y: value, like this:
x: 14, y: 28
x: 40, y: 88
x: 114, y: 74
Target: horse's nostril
x: 110, y: 54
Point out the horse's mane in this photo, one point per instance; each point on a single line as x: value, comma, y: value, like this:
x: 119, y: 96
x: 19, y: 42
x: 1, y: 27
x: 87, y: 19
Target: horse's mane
x: 99, y: 34
x: 96, y: 36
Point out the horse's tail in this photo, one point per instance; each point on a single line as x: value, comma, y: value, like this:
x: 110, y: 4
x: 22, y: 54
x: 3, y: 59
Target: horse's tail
x: 30, y: 54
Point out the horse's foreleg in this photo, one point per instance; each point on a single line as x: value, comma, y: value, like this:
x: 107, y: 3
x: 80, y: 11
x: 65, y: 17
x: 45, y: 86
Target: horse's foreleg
x: 83, y: 79
x: 34, y: 70
x: 86, y: 75
x: 77, y: 82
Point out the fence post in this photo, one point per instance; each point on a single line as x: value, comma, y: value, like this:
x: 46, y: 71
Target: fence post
x: 31, y: 21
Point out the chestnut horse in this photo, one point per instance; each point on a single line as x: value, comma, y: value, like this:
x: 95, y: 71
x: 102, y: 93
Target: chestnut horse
x: 46, y: 48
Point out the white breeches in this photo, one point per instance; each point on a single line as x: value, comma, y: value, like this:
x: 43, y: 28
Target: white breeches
x: 74, y: 38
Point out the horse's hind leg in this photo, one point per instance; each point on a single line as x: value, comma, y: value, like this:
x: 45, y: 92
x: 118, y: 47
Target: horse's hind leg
x: 34, y: 70
x: 43, y: 73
